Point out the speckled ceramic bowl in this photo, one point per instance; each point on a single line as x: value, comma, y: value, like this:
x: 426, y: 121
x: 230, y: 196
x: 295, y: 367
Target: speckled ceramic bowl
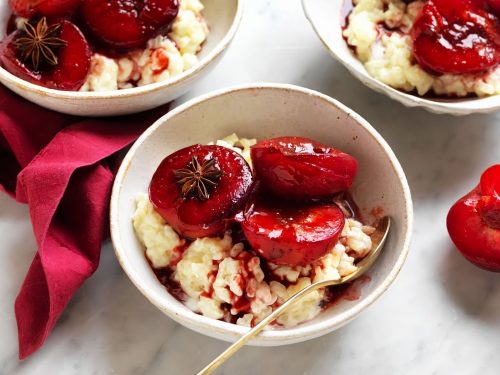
x: 265, y: 111
x: 326, y: 17
x: 223, y: 18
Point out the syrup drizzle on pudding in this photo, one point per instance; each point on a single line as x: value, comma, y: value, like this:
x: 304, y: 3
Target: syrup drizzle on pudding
x: 248, y: 239
x: 240, y: 305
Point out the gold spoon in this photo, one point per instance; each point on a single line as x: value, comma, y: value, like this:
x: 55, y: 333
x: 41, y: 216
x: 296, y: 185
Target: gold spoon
x: 378, y: 239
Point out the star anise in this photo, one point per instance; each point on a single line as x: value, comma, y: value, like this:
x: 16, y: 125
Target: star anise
x: 198, y: 180
x: 39, y: 43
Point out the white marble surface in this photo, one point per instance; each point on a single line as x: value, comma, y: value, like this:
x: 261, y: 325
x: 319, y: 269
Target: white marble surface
x: 442, y: 315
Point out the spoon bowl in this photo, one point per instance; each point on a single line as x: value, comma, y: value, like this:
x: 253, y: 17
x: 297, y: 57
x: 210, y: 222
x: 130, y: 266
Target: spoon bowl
x: 378, y: 241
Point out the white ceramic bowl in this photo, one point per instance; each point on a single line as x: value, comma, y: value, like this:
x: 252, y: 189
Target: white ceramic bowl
x: 265, y: 111
x: 223, y: 18
x: 326, y: 17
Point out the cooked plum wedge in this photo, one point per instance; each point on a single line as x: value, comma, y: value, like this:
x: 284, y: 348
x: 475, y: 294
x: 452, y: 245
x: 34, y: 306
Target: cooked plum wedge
x: 127, y: 24
x: 301, y: 169
x: 49, y: 8
x: 291, y: 234
x: 59, y: 55
x: 457, y: 36
x: 199, y: 189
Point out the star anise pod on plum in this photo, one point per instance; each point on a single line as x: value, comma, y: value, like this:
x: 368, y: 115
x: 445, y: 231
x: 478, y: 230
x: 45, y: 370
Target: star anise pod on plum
x: 38, y: 43
x: 197, y: 180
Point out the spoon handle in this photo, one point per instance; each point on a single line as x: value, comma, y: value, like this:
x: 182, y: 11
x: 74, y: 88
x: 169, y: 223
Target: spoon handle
x: 228, y: 353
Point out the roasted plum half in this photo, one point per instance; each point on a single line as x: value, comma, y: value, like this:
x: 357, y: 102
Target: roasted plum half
x: 301, y: 169
x: 199, y: 189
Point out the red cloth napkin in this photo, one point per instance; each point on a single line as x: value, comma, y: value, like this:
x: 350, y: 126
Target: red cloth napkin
x: 62, y: 167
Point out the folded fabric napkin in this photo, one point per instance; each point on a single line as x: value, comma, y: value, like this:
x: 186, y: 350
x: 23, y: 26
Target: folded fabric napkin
x: 62, y: 167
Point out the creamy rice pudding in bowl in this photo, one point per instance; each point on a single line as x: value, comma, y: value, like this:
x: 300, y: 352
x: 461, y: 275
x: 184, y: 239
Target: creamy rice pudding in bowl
x: 426, y: 53
x: 108, y: 57
x: 219, y: 262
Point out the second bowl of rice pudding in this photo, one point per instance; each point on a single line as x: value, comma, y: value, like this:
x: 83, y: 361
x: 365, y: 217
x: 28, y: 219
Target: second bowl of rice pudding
x: 371, y: 38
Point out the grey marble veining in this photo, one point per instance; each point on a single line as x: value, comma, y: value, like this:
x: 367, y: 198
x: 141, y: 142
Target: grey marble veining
x: 441, y: 316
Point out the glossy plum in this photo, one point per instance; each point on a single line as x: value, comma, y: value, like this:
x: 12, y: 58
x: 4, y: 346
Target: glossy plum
x: 291, y: 234
x: 457, y: 36
x: 189, y: 214
x: 301, y: 169
x: 474, y: 222
x: 127, y: 24
x: 49, y: 8
x: 73, y: 61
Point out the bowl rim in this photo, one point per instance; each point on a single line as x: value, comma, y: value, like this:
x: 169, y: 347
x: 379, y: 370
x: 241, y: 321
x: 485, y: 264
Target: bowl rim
x: 273, y: 337
x: 176, y: 80
x: 462, y: 106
